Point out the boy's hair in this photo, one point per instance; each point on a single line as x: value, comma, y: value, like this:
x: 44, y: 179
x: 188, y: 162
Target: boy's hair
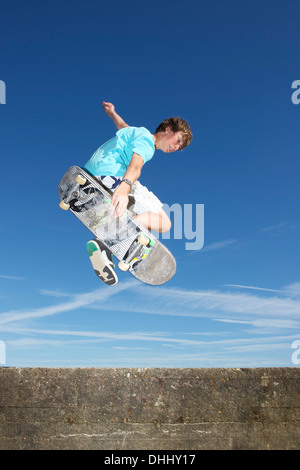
x: 176, y: 125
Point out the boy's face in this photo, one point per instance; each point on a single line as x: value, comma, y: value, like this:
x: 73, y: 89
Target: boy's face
x: 171, y: 141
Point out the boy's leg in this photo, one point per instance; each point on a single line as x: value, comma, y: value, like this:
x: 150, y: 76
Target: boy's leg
x: 158, y: 222
x: 148, y: 209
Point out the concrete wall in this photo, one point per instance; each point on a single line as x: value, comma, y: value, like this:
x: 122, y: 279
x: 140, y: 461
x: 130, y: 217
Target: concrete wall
x: 150, y: 409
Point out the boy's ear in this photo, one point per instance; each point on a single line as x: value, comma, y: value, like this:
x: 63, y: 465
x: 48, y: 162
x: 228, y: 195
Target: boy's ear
x: 168, y: 130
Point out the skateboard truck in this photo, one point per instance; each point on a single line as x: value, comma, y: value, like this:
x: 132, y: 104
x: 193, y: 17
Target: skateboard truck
x: 65, y: 204
x: 134, y: 251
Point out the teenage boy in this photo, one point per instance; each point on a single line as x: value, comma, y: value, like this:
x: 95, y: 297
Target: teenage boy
x: 118, y: 164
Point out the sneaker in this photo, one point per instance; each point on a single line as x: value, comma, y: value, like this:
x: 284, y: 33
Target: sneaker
x: 101, y: 259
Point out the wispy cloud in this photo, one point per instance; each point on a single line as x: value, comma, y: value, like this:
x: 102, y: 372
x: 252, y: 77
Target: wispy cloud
x: 213, y: 304
x: 77, y: 302
x: 254, y: 288
x: 40, y: 341
x: 11, y: 278
x: 265, y: 323
x: 55, y: 293
x: 141, y: 349
x: 279, y: 229
x: 291, y: 290
x: 130, y: 348
x: 265, y: 316
x: 205, y: 304
x: 275, y: 229
x: 218, y: 245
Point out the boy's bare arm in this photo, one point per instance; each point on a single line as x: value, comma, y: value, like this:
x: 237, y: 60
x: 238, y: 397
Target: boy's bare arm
x: 120, y: 196
x: 110, y: 111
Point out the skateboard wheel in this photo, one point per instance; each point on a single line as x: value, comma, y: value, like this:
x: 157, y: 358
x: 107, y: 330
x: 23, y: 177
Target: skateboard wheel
x: 143, y: 239
x: 63, y: 205
x: 123, y: 266
x: 80, y: 180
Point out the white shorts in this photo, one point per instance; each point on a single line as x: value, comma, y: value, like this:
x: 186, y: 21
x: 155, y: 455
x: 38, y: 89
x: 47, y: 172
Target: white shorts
x: 140, y: 198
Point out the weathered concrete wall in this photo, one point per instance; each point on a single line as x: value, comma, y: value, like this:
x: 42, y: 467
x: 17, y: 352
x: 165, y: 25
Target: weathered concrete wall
x: 156, y: 409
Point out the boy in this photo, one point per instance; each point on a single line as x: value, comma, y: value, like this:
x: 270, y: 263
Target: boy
x: 118, y: 164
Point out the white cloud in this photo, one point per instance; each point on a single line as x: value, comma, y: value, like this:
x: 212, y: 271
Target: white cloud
x: 164, y: 338
x: 205, y: 304
x: 78, y: 301
x: 266, y: 311
x: 55, y: 293
x: 293, y: 289
x: 258, y: 347
x: 33, y: 342
x: 276, y: 229
x: 266, y: 323
x: 12, y: 278
x: 290, y: 290
x: 254, y: 288
x: 218, y: 245
x: 213, y: 304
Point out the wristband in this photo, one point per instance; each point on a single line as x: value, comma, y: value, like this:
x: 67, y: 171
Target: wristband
x: 127, y: 181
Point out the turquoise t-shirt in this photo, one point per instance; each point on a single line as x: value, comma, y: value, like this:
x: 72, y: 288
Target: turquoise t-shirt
x: 113, y: 157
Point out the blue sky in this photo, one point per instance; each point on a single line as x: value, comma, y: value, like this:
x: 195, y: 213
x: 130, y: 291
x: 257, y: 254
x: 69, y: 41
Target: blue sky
x: 228, y: 69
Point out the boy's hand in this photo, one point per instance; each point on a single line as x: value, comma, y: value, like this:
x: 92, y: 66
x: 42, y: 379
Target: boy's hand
x: 111, y: 112
x: 109, y: 109
x: 119, y: 200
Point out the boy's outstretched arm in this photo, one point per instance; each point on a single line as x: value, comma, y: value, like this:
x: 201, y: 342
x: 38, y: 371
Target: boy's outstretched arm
x: 110, y: 111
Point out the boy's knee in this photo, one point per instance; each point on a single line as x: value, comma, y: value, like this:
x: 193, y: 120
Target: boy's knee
x: 166, y: 223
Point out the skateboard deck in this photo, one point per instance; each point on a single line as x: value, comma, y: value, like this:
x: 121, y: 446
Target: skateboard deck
x: 89, y: 201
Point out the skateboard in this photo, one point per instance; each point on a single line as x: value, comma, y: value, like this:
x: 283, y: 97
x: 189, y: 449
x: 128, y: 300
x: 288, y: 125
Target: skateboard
x: 136, y: 249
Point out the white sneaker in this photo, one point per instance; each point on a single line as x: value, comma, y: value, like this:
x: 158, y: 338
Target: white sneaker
x: 101, y: 259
